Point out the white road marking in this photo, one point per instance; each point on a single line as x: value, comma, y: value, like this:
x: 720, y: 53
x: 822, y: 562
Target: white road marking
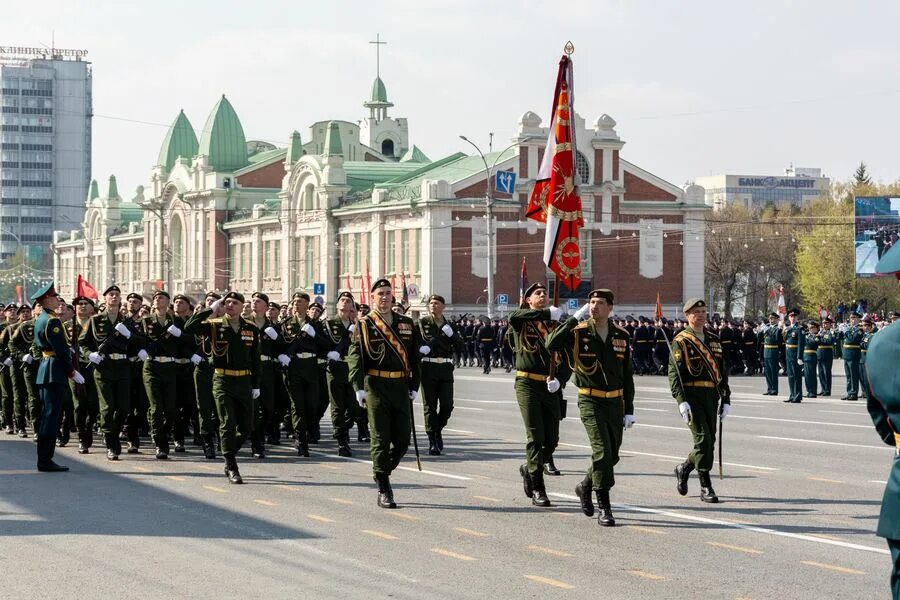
x: 402, y: 468
x: 668, y: 456
x: 878, y: 481
x: 846, y: 412
x: 800, y: 421
x: 467, y: 408
x: 787, y: 439
x: 652, y: 409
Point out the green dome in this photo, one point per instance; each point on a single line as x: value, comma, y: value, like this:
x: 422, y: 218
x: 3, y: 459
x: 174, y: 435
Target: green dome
x: 180, y: 141
x: 379, y: 92
x: 223, y: 140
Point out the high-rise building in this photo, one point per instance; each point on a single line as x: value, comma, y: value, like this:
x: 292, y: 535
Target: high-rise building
x: 45, y: 131
x: 797, y: 186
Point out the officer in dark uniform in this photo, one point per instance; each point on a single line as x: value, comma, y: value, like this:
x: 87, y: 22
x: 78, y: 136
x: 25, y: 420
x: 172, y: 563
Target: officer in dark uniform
x: 269, y: 342
x: 137, y: 418
x: 828, y: 341
x: 750, y: 348
x: 344, y: 409
x: 54, y: 370
x: 384, y: 369
x: 850, y: 351
x: 868, y: 327
x: 186, y: 402
x: 727, y: 338
x: 208, y: 418
x: 8, y: 398
x: 771, y: 339
x: 85, y: 397
x: 698, y: 378
x: 315, y: 312
x: 811, y: 343
x: 21, y: 345
x: 12, y: 360
x: 486, y: 344
x: 793, y: 349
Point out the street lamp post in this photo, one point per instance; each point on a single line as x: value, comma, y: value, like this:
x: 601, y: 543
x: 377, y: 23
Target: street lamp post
x: 489, y: 225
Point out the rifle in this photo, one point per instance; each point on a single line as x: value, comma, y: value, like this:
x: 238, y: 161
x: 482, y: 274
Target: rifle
x: 721, y: 429
x: 412, y: 424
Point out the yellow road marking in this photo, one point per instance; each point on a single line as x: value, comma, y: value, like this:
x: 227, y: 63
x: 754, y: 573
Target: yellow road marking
x: 471, y: 532
x: 648, y: 530
x: 647, y: 575
x: 320, y: 518
x: 401, y: 515
x: 380, y: 534
x: 822, y: 479
x: 548, y: 581
x: 738, y: 548
x: 265, y: 503
x: 332, y: 467
x: 213, y: 488
x: 207, y: 468
x: 342, y: 501
x: 143, y: 469
x: 455, y: 555
x: 176, y: 478
x: 833, y: 567
x: 549, y: 551
x: 488, y: 498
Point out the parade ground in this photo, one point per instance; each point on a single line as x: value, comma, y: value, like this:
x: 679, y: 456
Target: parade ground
x: 799, y: 505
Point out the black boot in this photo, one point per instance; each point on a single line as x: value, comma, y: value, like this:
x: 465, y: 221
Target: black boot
x: 231, y: 469
x: 45, y: 457
x: 707, y: 493
x: 344, y: 445
x: 362, y: 432
x: 439, y: 440
x: 301, y: 445
x: 209, y: 447
x: 682, y: 472
x: 539, y: 497
x: 527, y: 484
x: 385, y: 493
x: 583, y: 491
x: 605, y: 518
x: 550, y: 467
x: 258, y: 449
x: 432, y: 445
x: 111, y: 445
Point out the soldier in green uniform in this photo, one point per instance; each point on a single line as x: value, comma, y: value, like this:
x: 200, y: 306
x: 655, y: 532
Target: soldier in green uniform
x: 55, y: 368
x: 825, y: 354
x: 793, y: 351
x: 21, y: 346
x: 344, y: 410
x: 279, y: 400
x: 440, y: 341
x: 698, y: 378
x: 160, y: 333
x: 85, y: 397
x: 13, y: 362
x: 811, y: 343
x: 851, y: 354
x: 601, y: 361
x: 536, y: 389
x: 770, y: 340
x: 235, y: 356
x: 208, y: 418
x: 6, y: 391
x: 868, y: 328
x: 67, y: 418
x: 315, y: 312
x: 186, y: 399
x: 384, y: 370
x: 108, y: 339
x: 269, y: 341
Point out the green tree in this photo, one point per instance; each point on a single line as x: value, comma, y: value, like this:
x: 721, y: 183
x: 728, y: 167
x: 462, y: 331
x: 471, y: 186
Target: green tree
x: 861, y: 176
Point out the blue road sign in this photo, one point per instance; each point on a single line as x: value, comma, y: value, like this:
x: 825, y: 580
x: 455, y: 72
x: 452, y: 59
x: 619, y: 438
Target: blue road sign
x: 573, y: 303
x: 502, y: 298
x: 506, y: 182
x: 320, y: 300
x: 318, y: 288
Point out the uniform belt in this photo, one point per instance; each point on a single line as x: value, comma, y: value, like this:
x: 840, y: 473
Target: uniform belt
x: 850, y: 346
x: 864, y: 350
x: 386, y: 374
x: 770, y: 346
x: 232, y: 372
x: 306, y: 355
x: 47, y: 353
x: 182, y: 361
x: 809, y: 352
x: 790, y: 345
x: 437, y: 360
x: 595, y: 393
x: 826, y: 347
x: 487, y: 339
x: 703, y: 384
x: 162, y: 359
x: 117, y: 356
x: 265, y: 358
x: 322, y: 361
x: 897, y: 441
x: 534, y: 376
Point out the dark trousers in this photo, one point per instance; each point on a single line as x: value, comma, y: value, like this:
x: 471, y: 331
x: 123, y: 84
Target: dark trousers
x: 540, y: 413
x: 234, y: 403
x: 863, y: 379
x: 704, y: 417
x: 51, y: 395
x: 772, y: 375
x: 810, y: 366
x: 795, y: 377
x: 159, y: 381
x: 208, y: 417
x: 87, y: 407
x: 824, y: 368
x: 114, y: 393
x: 602, y: 421
x: 265, y: 404
x: 185, y: 402
x: 851, y: 370
x: 437, y: 395
x: 8, y: 398
x: 304, y: 384
x: 389, y: 409
x: 894, y: 547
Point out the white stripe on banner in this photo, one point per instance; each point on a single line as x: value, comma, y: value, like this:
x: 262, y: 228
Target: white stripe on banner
x: 550, y: 235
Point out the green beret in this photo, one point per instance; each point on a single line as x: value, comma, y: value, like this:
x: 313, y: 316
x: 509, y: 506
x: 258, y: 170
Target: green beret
x: 161, y: 293
x: 602, y: 293
x: 135, y: 296
x: 235, y: 296
x: 533, y: 288
x: 346, y: 294
x: 112, y: 288
x: 213, y: 295
x: 694, y: 303
x: 382, y: 283
x: 300, y: 296
x: 275, y: 305
x: 261, y: 296
x: 437, y: 297
x: 183, y: 297
x: 316, y: 305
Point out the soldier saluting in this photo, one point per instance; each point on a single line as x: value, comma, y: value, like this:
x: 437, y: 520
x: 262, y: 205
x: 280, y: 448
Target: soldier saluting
x: 344, y: 410
x: 698, y: 378
x: 384, y: 370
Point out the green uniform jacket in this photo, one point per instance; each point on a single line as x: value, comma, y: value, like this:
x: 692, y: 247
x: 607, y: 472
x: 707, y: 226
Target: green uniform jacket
x: 22, y: 341
x: 530, y: 329
x: 771, y: 339
x: 852, y: 338
x: 433, y: 337
x: 597, y: 364
x: 864, y: 346
x: 691, y: 362
x: 234, y: 350
x: 156, y: 341
x: 296, y: 341
x: 373, y: 348
x: 827, y: 345
x: 49, y: 337
x: 794, y: 340
x: 811, y: 345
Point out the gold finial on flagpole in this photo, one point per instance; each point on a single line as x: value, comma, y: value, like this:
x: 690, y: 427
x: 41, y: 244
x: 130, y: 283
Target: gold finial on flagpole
x: 569, y: 48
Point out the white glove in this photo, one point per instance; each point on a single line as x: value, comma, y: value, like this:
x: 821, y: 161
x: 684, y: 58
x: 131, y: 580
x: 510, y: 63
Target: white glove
x: 582, y: 312
x: 333, y: 355
x: 424, y: 350
x: 95, y: 358
x: 270, y: 331
x: 196, y: 359
x: 284, y: 359
x: 352, y: 327
x: 628, y: 421
x: 308, y: 330
x: 77, y: 377
x: 7, y: 361
x: 174, y: 331
x: 685, y: 409
x: 361, y: 397
x: 142, y: 354
x: 28, y: 359
x: 413, y: 394
x: 555, y: 313
x: 217, y: 305
x: 448, y: 331
x: 726, y: 410
x: 552, y: 385
x: 123, y: 330
x: 254, y: 393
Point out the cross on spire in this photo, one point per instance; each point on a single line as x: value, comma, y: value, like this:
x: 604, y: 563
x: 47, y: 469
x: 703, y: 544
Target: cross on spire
x: 378, y: 43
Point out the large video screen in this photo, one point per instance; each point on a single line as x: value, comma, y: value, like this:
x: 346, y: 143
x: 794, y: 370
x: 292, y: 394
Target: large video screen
x: 877, y: 220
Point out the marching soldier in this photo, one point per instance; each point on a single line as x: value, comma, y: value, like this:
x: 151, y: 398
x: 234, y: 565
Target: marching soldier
x: 602, y: 366
x: 315, y: 312
x: 811, y: 343
x: 749, y: 348
x: 137, y: 417
x: 234, y: 344
x: 55, y: 368
x: 439, y: 342
x: 186, y: 400
x: 86, y: 400
x: 344, y: 410
x: 15, y: 366
x: 825, y: 354
x: 208, y: 417
x: 850, y: 352
x: 8, y: 398
x: 384, y: 370
x: 536, y: 390
x: 793, y: 351
x: 269, y: 342
x: 67, y: 419
x: 698, y: 378
x: 486, y: 342
x: 771, y: 340
x: 22, y: 348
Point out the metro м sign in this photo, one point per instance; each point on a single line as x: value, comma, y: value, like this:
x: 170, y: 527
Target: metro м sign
x: 775, y: 182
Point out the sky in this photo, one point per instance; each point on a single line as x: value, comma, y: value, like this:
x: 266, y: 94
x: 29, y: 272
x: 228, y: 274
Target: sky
x: 697, y: 88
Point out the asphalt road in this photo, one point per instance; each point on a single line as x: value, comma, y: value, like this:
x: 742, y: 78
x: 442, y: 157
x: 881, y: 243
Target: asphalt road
x: 800, y: 501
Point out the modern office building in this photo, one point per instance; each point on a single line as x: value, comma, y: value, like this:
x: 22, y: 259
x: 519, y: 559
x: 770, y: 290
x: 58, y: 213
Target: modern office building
x: 796, y: 186
x: 45, y: 131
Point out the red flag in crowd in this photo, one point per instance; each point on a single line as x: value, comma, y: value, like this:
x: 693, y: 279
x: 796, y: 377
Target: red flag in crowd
x: 83, y: 288
x: 659, y: 309
x: 404, y: 298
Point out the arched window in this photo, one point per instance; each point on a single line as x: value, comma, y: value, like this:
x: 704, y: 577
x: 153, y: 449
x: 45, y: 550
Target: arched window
x: 387, y: 147
x: 176, y: 237
x: 309, y: 197
x: 583, y: 168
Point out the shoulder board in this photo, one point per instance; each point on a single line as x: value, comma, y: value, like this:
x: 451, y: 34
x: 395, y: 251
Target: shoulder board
x: 582, y: 325
x: 620, y: 330
x: 215, y: 321
x: 711, y: 335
